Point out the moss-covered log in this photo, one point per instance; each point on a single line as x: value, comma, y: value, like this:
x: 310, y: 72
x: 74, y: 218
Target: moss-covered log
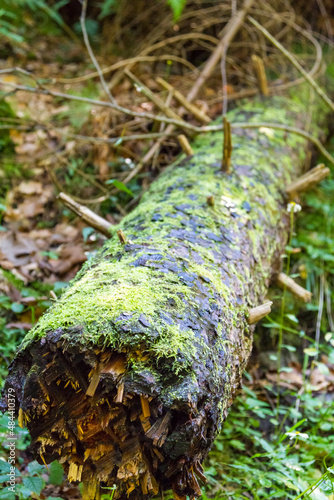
x: 129, y: 376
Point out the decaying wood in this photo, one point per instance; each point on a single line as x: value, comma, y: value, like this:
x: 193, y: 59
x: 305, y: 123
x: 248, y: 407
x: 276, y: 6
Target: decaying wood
x: 130, y: 374
x: 91, y: 218
x: 298, y: 291
x: 308, y: 180
x: 259, y: 312
x: 184, y: 143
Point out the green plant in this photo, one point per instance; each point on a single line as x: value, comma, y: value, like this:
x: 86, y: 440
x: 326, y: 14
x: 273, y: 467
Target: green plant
x: 29, y: 484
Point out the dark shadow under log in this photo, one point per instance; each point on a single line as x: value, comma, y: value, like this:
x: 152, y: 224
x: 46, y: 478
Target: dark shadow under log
x: 129, y: 376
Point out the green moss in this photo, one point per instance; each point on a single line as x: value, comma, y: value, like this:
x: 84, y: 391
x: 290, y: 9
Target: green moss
x: 112, y: 285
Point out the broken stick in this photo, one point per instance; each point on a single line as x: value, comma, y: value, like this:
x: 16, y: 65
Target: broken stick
x: 184, y: 143
x: 260, y: 74
x: 308, y: 180
x: 194, y: 110
x: 91, y: 218
x: 259, y: 312
x: 227, y: 147
x: 286, y: 282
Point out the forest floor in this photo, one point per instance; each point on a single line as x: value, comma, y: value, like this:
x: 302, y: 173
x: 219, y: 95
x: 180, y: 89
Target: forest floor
x: 271, y: 446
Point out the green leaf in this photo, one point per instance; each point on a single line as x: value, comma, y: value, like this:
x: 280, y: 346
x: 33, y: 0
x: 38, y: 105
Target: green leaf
x: 6, y: 494
x: 290, y: 348
x: 86, y: 232
x: 4, y: 466
x: 289, y: 484
x: 36, y: 468
x: 265, y: 482
x: 34, y: 483
x: 326, y: 487
x: 292, y: 317
x: 311, y: 351
x: 16, y: 307
x: 59, y: 285
x: 119, y: 185
x: 177, y: 7
x: 56, y: 473
x: 239, y: 445
x: 323, y: 368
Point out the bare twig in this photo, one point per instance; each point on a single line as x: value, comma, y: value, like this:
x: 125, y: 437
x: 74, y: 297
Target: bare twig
x: 184, y: 101
x: 153, y: 97
x: 289, y: 284
x: 184, y: 143
x: 294, y: 61
x: 95, y: 102
x: 127, y: 63
x: 163, y: 44
x: 90, y: 217
x: 170, y: 128
x: 308, y: 180
x: 91, y: 53
x: 230, y: 31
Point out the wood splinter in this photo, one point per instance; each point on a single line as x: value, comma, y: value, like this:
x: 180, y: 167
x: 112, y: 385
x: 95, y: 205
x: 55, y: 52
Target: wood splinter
x: 260, y: 74
x: 184, y: 143
x: 286, y: 282
x: 145, y: 407
x: 91, y: 218
x: 259, y: 312
x: 308, y: 180
x: 227, y: 146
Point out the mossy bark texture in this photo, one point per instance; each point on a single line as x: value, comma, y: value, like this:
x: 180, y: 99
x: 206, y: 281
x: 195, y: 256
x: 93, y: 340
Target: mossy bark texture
x: 129, y: 376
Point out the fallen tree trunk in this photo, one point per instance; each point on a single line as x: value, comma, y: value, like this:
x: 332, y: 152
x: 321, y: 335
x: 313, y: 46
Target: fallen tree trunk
x: 129, y: 376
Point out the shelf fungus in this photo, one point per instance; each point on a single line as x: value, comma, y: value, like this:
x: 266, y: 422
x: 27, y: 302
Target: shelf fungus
x: 129, y: 376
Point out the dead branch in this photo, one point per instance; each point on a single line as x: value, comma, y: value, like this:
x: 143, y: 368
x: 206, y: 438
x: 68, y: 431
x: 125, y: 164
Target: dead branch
x: 91, y: 218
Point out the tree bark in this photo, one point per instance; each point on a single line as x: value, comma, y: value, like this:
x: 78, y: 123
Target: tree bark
x: 129, y: 376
